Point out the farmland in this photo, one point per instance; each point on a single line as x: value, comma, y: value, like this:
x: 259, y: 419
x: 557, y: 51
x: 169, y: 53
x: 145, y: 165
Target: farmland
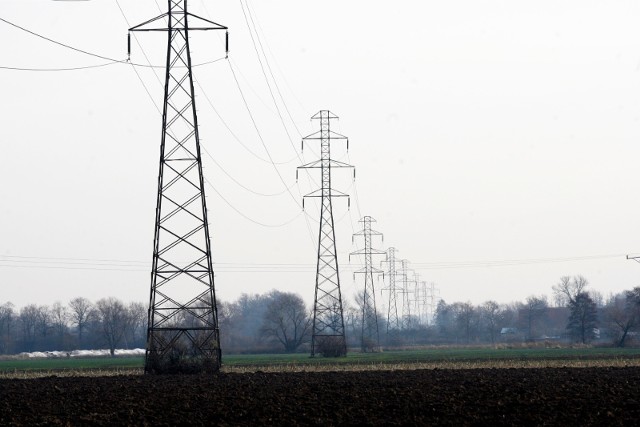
x: 429, y: 358
x: 445, y: 386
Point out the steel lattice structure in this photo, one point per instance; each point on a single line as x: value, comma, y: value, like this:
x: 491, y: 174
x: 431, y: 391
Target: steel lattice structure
x: 406, y: 292
x: 431, y: 297
x: 370, y: 337
x: 183, y: 334
x: 419, y: 299
x: 328, y: 334
x: 393, y: 322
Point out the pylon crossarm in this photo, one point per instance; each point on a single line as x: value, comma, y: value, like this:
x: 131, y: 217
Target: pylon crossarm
x: 312, y: 165
x: 213, y: 26
x: 139, y: 26
x: 325, y: 135
x: 338, y: 164
x: 368, y: 251
x: 319, y: 193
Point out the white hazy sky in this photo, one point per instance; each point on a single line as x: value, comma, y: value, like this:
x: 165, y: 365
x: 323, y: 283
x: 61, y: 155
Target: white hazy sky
x: 496, y: 143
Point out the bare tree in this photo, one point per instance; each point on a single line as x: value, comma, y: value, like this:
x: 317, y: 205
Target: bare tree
x: 28, y: 321
x: 534, y: 309
x: 43, y: 321
x: 286, y: 320
x: 444, y: 318
x: 224, y: 323
x: 138, y: 316
x: 80, y: 315
x: 566, y: 291
x: 491, y: 314
x: 6, y: 322
x: 352, y: 320
x: 465, y: 319
x: 113, y: 318
x: 622, y: 313
x: 59, y: 318
x: 597, y: 298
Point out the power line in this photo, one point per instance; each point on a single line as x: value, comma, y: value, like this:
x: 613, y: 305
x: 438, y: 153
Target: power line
x: 239, y: 212
x: 253, y: 153
x: 275, y: 103
x: 57, y: 42
x: 277, y: 65
x: 266, y: 60
x: 508, y: 263
x: 239, y: 184
x: 86, y: 67
x: 287, y: 188
x: 55, y: 259
x: 255, y: 125
x: 24, y: 261
x: 85, y: 52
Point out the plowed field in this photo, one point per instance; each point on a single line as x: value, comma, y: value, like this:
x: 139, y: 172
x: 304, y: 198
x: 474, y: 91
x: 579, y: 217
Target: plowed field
x: 550, y: 396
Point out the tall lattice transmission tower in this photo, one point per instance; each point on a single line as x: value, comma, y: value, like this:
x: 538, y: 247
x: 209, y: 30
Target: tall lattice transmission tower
x: 419, y: 299
x: 370, y: 337
x: 183, y: 334
x: 406, y: 292
x: 433, y: 297
x: 328, y: 334
x: 393, y: 322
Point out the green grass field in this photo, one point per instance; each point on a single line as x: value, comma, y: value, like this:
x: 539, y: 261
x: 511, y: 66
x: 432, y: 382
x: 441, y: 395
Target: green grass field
x: 445, y: 357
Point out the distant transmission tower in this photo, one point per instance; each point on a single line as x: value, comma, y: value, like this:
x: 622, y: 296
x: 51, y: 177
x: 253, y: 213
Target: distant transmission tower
x: 393, y: 322
x: 327, y: 336
x: 183, y: 335
x: 370, y: 338
x: 432, y: 301
x: 406, y: 295
x: 419, y: 299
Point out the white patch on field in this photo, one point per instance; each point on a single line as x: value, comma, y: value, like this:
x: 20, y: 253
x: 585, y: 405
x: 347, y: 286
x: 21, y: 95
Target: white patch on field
x: 82, y: 353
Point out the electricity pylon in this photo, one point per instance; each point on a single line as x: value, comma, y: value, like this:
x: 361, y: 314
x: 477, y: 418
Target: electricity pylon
x: 419, y: 299
x: 327, y: 336
x: 406, y: 295
x: 182, y: 334
x: 431, y: 296
x: 370, y: 337
x: 393, y: 322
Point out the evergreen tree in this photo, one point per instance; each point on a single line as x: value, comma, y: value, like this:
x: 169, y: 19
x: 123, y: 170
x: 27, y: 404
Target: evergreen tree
x: 583, y: 318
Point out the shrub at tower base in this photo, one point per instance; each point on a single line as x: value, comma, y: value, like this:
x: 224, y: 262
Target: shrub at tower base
x: 182, y: 354
x: 331, y: 346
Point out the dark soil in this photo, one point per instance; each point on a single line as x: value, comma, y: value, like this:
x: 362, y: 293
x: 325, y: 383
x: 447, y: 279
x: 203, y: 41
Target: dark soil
x: 549, y: 396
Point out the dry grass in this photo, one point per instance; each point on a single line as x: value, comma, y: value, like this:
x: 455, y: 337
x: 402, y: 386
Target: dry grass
x: 26, y: 375
x: 479, y: 364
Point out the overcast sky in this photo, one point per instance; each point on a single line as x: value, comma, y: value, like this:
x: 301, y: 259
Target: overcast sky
x: 496, y: 143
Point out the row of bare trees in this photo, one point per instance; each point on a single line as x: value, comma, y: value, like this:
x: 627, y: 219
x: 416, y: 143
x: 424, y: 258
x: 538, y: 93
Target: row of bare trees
x: 578, y: 315
x: 80, y: 324
x: 280, y: 321
x: 275, y: 321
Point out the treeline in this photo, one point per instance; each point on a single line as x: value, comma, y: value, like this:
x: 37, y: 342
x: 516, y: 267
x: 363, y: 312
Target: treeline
x: 281, y: 322
x: 80, y: 324
x: 272, y: 322
x: 578, y: 315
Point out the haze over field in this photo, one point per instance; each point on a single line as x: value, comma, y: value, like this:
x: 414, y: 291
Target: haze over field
x: 495, y: 142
